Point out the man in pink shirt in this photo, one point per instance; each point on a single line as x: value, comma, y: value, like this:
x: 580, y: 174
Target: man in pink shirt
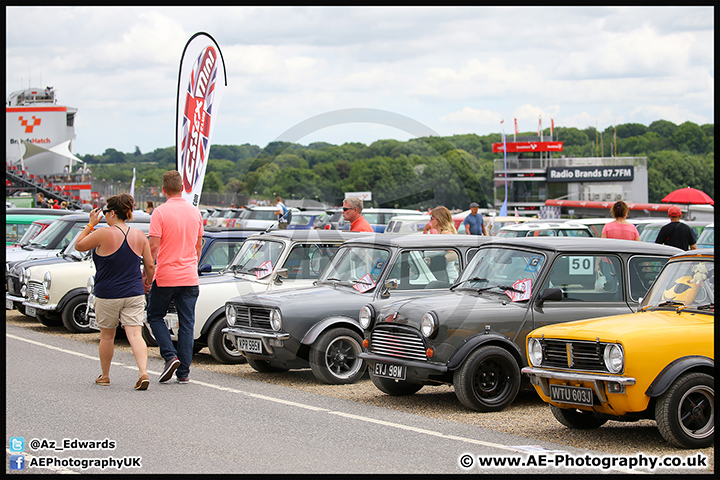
x: 175, y: 242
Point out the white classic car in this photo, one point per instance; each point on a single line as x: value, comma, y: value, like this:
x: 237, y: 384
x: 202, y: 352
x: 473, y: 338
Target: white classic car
x: 280, y: 259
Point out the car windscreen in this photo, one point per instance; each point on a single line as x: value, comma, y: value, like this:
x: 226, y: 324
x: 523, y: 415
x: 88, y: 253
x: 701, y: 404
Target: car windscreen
x: 49, y: 235
x: 507, y: 270
x: 257, y: 257
x: 360, y: 266
x: 689, y: 283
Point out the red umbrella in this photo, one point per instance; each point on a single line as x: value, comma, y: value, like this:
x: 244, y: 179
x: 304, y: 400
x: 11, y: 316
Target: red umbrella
x: 688, y: 195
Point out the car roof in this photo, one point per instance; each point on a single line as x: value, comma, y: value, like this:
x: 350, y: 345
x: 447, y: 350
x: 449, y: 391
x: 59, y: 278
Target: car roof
x: 403, y: 211
x: 225, y: 232
x: 312, y: 235
x: 37, y: 211
x: 411, y: 218
x: 532, y: 226
x: 584, y: 244
x: 421, y: 241
x: 690, y: 223
x: 700, y: 252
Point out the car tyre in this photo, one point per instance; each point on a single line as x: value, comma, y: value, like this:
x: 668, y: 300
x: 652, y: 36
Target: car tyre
x: 685, y: 413
x: 577, y: 419
x: 488, y: 380
x: 74, y: 315
x: 396, y: 388
x: 263, y: 366
x: 49, y: 319
x: 334, y: 357
x: 222, y: 348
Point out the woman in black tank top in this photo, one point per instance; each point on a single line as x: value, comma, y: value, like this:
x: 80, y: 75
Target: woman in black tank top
x: 119, y: 282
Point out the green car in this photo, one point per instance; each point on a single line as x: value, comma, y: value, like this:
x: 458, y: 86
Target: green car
x: 18, y: 220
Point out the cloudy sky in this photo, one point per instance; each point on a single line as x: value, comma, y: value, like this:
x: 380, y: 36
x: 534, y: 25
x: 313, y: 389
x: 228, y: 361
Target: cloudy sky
x: 337, y: 74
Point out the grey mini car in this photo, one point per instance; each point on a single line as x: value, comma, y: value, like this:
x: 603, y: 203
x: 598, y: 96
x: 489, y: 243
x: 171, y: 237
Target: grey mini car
x: 473, y: 336
x: 318, y: 326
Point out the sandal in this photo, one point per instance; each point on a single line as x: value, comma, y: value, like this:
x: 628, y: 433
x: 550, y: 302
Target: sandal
x: 102, y: 380
x: 142, y: 383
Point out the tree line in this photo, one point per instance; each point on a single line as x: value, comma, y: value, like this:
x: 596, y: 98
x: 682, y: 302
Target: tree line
x: 420, y: 172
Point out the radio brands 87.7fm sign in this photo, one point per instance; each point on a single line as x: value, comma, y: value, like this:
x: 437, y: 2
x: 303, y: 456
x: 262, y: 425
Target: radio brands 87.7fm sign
x: 623, y: 173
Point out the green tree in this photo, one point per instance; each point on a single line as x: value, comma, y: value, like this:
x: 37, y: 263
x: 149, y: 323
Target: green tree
x: 690, y: 135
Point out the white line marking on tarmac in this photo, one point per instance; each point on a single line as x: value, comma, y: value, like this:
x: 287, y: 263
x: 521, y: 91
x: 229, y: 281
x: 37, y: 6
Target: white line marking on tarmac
x: 421, y: 431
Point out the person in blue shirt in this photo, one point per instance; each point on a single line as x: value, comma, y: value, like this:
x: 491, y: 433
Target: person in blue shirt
x: 474, y: 224
x: 282, y: 213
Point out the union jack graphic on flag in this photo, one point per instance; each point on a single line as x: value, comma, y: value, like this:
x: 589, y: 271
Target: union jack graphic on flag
x: 196, y: 120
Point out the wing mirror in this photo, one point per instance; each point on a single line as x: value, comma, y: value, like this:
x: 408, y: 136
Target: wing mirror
x: 555, y: 294
x: 390, y: 284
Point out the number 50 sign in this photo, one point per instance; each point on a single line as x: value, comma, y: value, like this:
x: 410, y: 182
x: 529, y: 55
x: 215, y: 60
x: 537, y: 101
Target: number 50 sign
x: 581, y: 265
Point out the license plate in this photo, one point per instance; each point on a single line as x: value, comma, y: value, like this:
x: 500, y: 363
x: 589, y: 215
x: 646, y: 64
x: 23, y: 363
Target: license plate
x: 30, y: 312
x: 251, y: 345
x: 574, y: 395
x: 171, y: 320
x: 387, y: 370
x: 9, y: 304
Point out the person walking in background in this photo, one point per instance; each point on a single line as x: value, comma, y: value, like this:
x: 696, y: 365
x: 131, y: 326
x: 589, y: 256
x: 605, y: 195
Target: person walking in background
x: 474, y: 224
x: 119, y: 292
x: 620, y: 227
x: 42, y: 203
x: 441, y: 221
x: 149, y: 207
x: 352, y: 212
x: 676, y: 233
x: 282, y: 213
x: 176, y: 231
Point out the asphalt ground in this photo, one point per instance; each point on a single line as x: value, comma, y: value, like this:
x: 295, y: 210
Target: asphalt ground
x: 528, y: 417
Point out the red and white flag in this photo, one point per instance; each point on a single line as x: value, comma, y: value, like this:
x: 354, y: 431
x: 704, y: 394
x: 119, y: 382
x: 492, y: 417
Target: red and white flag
x: 516, y: 127
x: 552, y: 127
x: 201, y: 84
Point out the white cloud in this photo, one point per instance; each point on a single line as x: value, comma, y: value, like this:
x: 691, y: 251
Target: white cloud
x: 455, y: 69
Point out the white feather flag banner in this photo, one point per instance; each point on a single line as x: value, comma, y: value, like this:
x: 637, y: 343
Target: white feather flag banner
x: 201, y: 84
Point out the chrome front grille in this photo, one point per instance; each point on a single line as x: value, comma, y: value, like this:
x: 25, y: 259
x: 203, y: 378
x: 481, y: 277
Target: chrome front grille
x: 36, y: 292
x: 394, y: 341
x: 252, y: 317
x: 574, y: 354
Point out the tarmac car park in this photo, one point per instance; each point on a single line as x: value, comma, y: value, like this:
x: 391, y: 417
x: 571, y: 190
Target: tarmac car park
x: 317, y: 326
x: 472, y: 337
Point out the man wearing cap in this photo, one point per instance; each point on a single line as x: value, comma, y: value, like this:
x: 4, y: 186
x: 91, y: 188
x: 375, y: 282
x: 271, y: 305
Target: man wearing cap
x: 676, y: 233
x: 473, y: 222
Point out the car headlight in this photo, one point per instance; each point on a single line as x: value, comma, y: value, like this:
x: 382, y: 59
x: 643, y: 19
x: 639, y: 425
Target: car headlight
x: 428, y: 325
x: 535, y: 352
x: 366, y: 316
x: 276, y: 320
x: 47, y: 280
x: 230, y: 314
x: 614, y: 358
x: 90, y: 285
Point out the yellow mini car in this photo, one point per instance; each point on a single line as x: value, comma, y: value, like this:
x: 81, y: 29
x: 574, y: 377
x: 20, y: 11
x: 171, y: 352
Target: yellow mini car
x: 657, y: 363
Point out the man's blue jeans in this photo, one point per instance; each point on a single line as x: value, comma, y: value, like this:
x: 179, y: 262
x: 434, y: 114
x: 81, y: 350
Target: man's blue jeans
x: 185, y: 299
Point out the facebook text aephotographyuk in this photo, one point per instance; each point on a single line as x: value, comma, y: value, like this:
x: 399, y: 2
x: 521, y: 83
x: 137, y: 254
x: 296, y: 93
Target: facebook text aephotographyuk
x: 86, y: 463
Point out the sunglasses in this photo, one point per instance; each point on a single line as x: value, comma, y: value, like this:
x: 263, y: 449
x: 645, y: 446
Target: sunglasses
x: 345, y: 209
x: 105, y: 212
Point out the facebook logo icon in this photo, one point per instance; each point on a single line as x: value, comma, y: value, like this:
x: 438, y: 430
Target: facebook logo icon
x: 17, y: 462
